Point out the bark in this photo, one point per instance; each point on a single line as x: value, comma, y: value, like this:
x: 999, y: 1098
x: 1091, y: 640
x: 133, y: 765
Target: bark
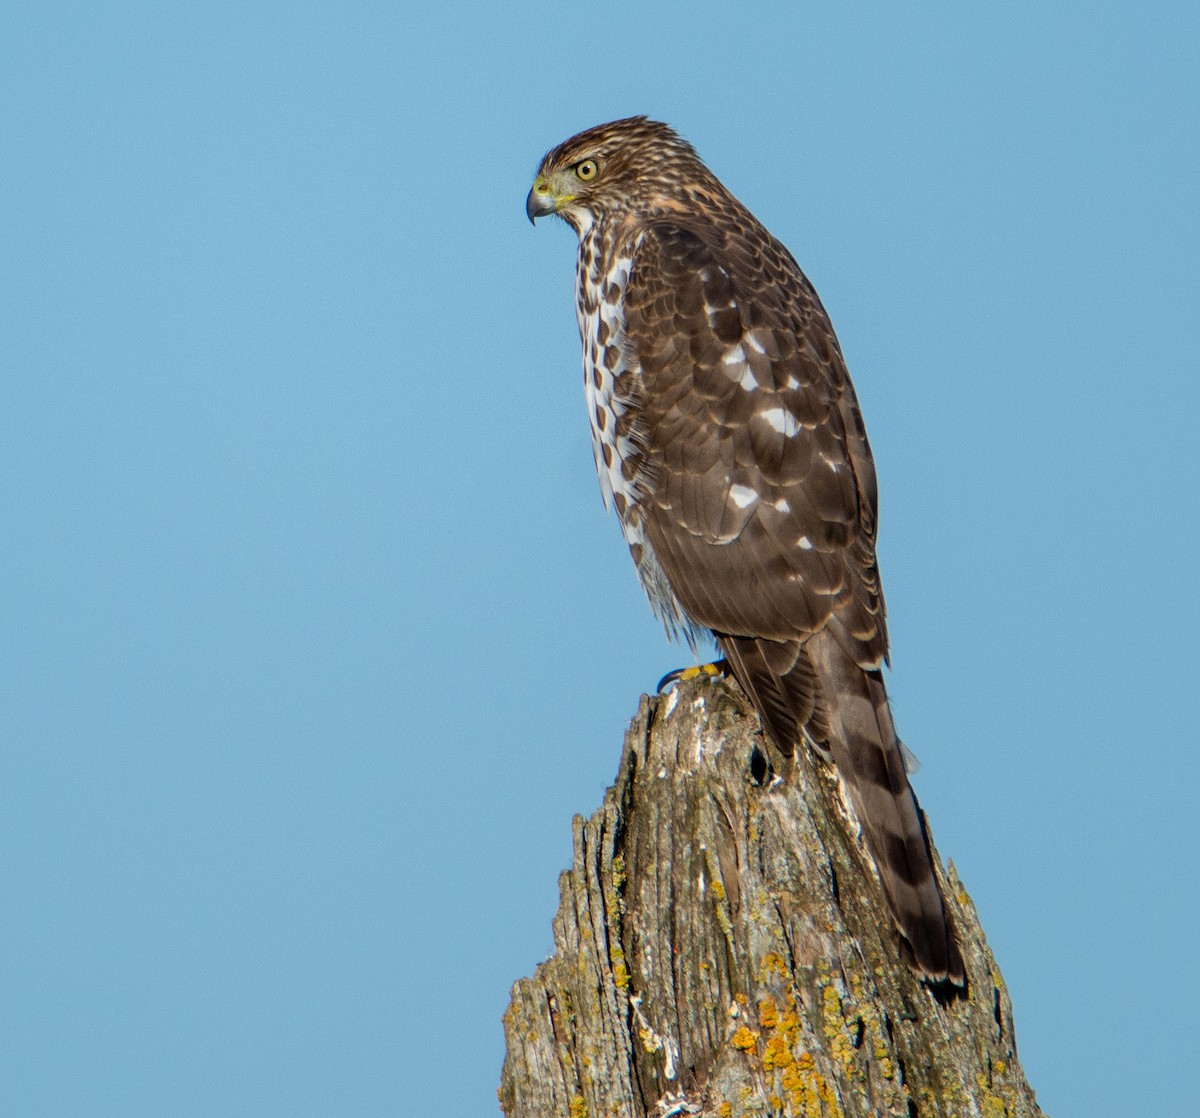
x: 723, y: 948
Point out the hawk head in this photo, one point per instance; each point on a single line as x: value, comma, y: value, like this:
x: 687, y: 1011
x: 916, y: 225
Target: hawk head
x: 634, y: 165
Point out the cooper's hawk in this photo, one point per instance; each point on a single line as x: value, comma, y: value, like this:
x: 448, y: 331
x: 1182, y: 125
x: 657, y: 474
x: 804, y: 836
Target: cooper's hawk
x: 728, y: 437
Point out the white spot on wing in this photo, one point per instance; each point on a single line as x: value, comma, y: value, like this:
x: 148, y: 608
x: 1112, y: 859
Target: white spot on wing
x: 734, y: 359
x: 742, y: 495
x: 804, y: 543
x: 712, y: 312
x: 783, y: 422
x: 832, y: 463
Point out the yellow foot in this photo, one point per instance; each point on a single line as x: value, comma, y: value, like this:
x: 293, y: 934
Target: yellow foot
x: 680, y: 675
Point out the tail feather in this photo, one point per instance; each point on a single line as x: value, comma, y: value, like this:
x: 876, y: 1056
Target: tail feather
x: 816, y: 689
x: 780, y: 679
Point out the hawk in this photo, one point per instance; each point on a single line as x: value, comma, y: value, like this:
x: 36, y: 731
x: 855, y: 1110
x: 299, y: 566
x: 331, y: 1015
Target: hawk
x: 728, y: 437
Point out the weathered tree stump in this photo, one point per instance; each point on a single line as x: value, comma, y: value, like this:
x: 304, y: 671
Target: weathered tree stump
x: 723, y: 948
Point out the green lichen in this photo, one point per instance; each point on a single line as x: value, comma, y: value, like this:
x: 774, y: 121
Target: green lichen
x: 618, y: 872
x: 833, y: 1025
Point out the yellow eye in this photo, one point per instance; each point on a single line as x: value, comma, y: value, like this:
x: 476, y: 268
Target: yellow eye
x: 587, y: 170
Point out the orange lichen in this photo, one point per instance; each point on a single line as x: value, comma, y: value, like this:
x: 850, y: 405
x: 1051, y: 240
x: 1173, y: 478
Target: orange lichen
x: 776, y: 1053
x: 744, y: 1039
x: 619, y: 969
x: 772, y: 963
x: 651, y: 1041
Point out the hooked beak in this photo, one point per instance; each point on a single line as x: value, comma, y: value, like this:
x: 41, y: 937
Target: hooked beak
x: 542, y: 201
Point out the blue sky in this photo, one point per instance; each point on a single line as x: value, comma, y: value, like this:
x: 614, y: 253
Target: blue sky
x: 315, y: 633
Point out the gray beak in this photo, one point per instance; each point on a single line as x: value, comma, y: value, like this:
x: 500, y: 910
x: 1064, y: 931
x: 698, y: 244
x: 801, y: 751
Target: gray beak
x: 540, y: 202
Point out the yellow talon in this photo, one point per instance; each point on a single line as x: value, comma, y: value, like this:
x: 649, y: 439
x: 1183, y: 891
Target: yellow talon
x: 682, y: 675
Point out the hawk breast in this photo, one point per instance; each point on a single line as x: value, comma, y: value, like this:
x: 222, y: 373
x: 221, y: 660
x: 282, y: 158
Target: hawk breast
x: 612, y: 382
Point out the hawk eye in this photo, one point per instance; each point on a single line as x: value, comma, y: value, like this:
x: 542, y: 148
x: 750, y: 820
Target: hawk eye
x: 587, y: 170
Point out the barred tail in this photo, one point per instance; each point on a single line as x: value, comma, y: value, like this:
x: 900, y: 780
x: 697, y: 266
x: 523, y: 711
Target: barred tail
x: 818, y: 688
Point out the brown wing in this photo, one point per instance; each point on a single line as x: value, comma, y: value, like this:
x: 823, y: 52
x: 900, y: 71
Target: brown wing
x: 761, y: 502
